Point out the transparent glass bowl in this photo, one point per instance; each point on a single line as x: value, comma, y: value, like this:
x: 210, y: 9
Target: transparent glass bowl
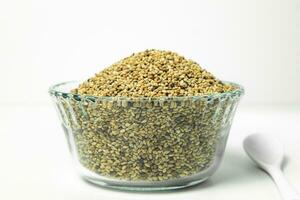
x: 146, y: 143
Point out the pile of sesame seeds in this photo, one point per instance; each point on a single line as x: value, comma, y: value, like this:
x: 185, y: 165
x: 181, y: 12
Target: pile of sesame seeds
x: 153, y: 73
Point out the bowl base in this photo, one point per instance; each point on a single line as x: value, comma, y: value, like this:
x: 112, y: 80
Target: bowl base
x: 141, y: 188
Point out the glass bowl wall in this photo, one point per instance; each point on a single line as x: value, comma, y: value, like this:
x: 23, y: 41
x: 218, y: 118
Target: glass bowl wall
x: 145, y: 143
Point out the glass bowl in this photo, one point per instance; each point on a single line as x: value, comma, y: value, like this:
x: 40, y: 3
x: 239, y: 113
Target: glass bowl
x: 145, y: 143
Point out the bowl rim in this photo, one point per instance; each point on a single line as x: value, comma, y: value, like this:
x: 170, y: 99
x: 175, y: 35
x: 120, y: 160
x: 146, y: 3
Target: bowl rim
x: 56, y: 91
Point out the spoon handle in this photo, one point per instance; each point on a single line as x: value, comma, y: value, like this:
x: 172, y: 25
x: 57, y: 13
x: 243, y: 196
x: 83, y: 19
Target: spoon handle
x: 286, y: 190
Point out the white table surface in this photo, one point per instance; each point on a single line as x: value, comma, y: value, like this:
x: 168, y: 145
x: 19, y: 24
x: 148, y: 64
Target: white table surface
x: 35, y: 162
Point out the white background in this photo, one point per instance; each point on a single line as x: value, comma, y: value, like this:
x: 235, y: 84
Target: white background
x: 252, y: 42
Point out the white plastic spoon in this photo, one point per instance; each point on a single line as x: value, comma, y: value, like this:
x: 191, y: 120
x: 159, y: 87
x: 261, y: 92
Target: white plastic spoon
x: 267, y: 153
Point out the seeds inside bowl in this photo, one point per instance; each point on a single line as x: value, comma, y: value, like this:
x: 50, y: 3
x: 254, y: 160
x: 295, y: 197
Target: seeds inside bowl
x: 152, y: 116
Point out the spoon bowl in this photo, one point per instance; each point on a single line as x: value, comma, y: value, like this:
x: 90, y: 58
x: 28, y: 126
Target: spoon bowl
x: 264, y: 150
x: 267, y: 152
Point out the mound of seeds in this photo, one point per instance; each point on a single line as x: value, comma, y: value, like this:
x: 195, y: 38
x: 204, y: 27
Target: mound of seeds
x: 152, y: 128
x: 153, y: 73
